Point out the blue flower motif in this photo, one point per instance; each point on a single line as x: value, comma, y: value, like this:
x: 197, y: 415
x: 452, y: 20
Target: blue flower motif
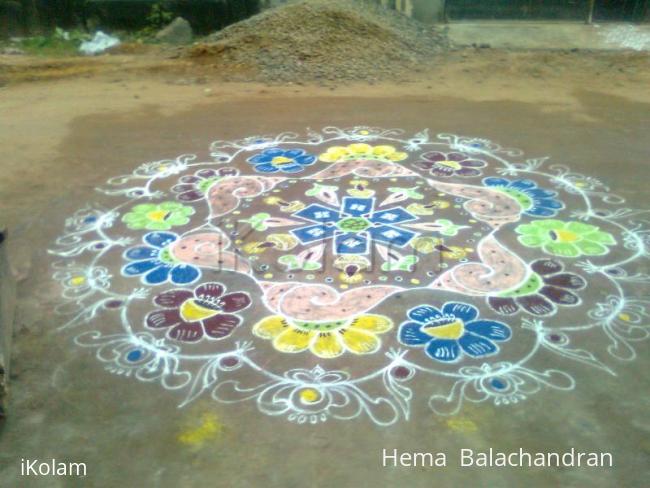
x: 156, y: 263
x: 444, y: 334
x: 284, y: 160
x: 534, y: 201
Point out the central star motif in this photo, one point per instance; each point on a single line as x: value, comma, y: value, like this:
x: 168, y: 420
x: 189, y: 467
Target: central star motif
x: 354, y: 225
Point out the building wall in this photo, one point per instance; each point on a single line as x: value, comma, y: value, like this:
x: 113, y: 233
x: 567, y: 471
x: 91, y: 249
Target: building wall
x: 429, y: 11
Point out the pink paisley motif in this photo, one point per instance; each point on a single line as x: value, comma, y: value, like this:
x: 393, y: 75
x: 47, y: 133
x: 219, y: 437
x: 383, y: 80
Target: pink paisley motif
x: 209, y: 250
x: 273, y: 293
x: 365, y: 168
x: 485, y: 204
x: 499, y: 270
x: 224, y: 196
x: 321, y: 302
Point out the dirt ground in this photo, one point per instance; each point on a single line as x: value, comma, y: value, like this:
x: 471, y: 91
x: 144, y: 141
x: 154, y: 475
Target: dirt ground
x: 67, y: 125
x: 41, y: 98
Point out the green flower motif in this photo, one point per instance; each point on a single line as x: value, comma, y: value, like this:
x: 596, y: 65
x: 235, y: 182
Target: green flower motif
x: 294, y: 262
x: 318, y: 189
x: 567, y: 239
x: 258, y: 221
x: 404, y: 263
x: 448, y: 228
x: 405, y: 193
x: 161, y: 216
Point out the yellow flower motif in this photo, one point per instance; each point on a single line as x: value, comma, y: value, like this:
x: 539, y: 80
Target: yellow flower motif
x: 355, y: 152
x: 293, y: 206
x: 427, y: 209
x: 360, y: 189
x: 272, y: 200
x: 440, y: 204
x: 427, y: 245
x: 324, y: 339
x: 359, y: 182
x: 455, y: 252
x: 351, y: 279
x: 359, y: 262
x: 255, y: 248
x: 288, y: 207
x: 280, y: 242
x: 351, y: 267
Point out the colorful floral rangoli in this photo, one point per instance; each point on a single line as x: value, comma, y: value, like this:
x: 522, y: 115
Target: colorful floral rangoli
x: 353, y: 271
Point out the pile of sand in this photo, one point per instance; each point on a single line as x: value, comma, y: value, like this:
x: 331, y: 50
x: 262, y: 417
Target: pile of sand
x: 322, y: 40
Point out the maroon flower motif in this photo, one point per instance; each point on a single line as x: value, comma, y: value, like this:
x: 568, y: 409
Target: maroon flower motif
x: 191, y: 188
x: 450, y: 164
x: 546, y: 288
x: 191, y: 315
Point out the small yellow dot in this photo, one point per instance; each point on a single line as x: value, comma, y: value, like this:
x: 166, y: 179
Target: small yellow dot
x: 624, y: 316
x: 276, y: 191
x: 364, y: 132
x: 462, y: 425
x: 78, y: 280
x: 268, y: 276
x: 238, y: 241
x: 472, y: 221
x: 236, y: 212
x: 344, y: 286
x: 309, y: 395
x: 393, y: 179
x: 415, y: 281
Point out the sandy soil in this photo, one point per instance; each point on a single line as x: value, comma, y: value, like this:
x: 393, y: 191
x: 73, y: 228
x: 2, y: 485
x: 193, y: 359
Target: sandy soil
x: 39, y: 98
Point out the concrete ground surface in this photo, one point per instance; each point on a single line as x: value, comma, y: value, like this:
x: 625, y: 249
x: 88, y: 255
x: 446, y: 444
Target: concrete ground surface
x: 551, y: 35
x: 63, y: 138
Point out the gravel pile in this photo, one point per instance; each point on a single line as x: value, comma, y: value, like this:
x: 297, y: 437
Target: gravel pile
x: 322, y: 40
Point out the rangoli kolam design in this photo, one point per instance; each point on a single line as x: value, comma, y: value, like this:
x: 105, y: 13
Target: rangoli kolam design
x: 351, y: 272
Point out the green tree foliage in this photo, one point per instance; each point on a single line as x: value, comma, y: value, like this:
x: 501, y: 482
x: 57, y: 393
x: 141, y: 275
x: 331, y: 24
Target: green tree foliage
x: 43, y: 16
x: 159, y: 16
